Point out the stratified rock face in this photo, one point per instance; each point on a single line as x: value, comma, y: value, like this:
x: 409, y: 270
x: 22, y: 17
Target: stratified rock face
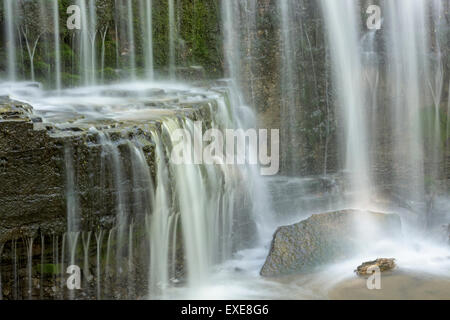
x: 33, y: 173
x: 322, y: 239
x: 382, y: 264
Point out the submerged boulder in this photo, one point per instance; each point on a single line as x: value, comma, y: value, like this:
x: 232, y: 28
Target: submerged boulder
x: 326, y: 238
x: 383, y: 264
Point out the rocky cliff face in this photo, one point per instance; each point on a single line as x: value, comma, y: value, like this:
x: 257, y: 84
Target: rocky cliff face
x: 53, y: 164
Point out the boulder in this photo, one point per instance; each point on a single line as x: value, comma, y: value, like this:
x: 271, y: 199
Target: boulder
x: 383, y: 264
x: 325, y: 238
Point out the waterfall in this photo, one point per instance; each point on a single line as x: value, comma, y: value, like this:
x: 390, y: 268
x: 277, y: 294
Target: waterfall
x: 343, y: 37
x: 72, y: 206
x: 172, y: 39
x: 86, y: 241
x: 407, y: 40
x: 244, y: 117
x: 88, y: 35
x: 99, y: 241
x: 56, y: 35
x: 10, y: 38
x: 41, y: 280
x: 108, y: 284
x: 147, y: 33
x: 29, y: 246
x: 131, y: 44
x: 92, y: 37
x: 158, y: 225
x: 231, y: 40
x: 290, y: 87
x: 112, y: 153
x: 84, y: 43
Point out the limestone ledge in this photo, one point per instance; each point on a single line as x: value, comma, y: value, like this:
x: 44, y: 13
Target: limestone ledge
x: 32, y: 163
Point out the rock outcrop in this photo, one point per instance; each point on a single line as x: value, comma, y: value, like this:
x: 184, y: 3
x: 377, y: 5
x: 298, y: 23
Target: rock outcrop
x: 322, y: 239
x: 33, y: 160
x: 383, y: 264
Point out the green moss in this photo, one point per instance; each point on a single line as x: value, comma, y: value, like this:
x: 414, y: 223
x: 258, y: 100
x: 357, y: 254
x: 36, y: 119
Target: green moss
x: 49, y: 269
x: 198, y: 41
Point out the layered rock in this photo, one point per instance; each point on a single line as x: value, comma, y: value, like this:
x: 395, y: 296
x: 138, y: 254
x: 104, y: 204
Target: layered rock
x: 42, y: 149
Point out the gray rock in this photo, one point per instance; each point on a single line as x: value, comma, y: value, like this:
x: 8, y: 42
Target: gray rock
x: 322, y: 239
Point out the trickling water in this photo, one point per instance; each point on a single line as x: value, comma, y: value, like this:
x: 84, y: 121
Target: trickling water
x: 10, y: 38
x: 108, y: 284
x: 87, y: 38
x: 158, y: 225
x: 73, y: 246
x: 29, y: 246
x: 147, y: 28
x: 231, y: 40
x: 86, y: 241
x: 56, y: 34
x: 172, y: 39
x: 290, y: 87
x: 407, y: 40
x: 111, y: 153
x: 93, y: 31
x: 62, y: 264
x: 72, y: 207
x: 41, y: 280
x: 343, y: 36
x: 99, y: 241
x: 131, y: 43
x: 131, y: 269
x: 55, y: 253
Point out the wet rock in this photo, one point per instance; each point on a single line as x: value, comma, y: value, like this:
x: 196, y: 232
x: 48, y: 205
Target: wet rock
x: 191, y: 73
x: 323, y: 239
x: 383, y: 264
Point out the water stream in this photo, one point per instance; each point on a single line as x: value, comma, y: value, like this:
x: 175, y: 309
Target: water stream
x: 203, y: 231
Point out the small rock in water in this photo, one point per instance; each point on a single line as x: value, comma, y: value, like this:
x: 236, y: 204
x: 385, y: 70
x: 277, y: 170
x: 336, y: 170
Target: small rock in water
x: 367, y: 268
x: 323, y: 239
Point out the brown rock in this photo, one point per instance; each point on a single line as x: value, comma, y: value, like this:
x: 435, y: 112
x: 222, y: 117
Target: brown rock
x: 366, y: 269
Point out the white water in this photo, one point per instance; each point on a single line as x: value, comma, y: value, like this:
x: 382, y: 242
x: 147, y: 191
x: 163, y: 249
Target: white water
x: 147, y: 28
x: 10, y: 38
x: 343, y: 36
x: 29, y: 246
x: 407, y: 39
x: 206, y: 212
x: 231, y: 40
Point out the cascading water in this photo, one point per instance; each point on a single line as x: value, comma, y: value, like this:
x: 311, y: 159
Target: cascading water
x: 343, y: 36
x: 290, y: 86
x: 10, y: 38
x: 409, y: 71
x: 172, y: 39
x: 147, y: 28
x: 56, y: 35
x: 168, y: 230
x: 131, y: 42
